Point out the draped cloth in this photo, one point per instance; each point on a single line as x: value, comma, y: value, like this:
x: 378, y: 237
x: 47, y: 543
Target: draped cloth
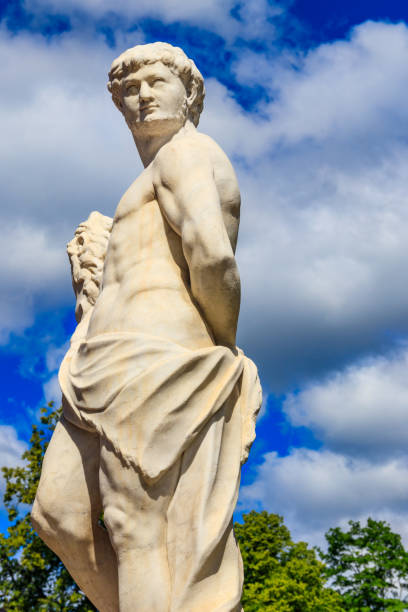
x: 157, y: 403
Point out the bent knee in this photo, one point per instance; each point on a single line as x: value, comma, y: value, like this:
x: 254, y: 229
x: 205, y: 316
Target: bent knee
x: 57, y: 523
x: 130, y: 530
x: 118, y: 525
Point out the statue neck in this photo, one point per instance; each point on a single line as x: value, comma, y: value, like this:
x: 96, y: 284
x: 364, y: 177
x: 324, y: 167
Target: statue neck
x: 150, y: 141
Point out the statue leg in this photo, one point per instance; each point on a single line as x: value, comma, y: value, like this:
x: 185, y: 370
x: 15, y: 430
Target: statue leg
x: 67, y: 509
x: 135, y: 515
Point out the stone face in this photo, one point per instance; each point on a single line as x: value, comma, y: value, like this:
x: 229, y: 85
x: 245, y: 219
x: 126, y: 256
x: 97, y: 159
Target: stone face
x: 159, y: 405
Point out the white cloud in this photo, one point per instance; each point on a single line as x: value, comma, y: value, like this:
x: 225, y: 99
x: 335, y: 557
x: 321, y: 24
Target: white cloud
x: 322, y: 256
x: 11, y: 449
x: 361, y: 410
x: 324, y: 217
x: 32, y: 267
x: 61, y: 131
x: 157, y: 8
x: 324, y: 220
x: 317, y: 490
x: 360, y: 415
x: 52, y: 391
x: 62, y: 155
x: 55, y: 355
x: 251, y: 20
x: 242, y: 135
x: 30, y: 255
x: 341, y: 90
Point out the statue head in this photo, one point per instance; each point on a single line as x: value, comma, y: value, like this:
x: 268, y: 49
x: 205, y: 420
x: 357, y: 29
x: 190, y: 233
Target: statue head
x: 86, y: 252
x: 154, y: 83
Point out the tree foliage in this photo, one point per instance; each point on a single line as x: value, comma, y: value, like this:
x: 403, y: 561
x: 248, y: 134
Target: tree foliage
x: 32, y: 578
x: 369, y: 566
x: 281, y: 575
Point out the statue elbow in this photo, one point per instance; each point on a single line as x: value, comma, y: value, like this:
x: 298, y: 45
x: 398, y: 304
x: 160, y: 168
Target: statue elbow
x: 215, y: 264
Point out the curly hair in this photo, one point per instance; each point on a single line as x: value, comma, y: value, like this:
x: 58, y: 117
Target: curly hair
x: 172, y: 57
x: 87, y: 252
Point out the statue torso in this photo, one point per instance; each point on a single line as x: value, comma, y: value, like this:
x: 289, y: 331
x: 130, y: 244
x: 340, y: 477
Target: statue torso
x: 146, y: 285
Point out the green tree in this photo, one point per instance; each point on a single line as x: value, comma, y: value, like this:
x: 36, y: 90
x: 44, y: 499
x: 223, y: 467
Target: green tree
x: 369, y: 566
x: 32, y: 578
x: 279, y: 574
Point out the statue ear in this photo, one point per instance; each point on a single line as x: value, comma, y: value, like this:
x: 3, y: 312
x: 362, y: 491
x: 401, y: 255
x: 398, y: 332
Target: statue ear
x: 191, y: 94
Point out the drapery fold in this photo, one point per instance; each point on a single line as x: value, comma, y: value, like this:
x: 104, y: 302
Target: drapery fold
x: 157, y: 403
x: 150, y: 397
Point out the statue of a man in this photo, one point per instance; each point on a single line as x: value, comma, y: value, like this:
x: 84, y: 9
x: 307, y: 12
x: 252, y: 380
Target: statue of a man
x: 159, y: 405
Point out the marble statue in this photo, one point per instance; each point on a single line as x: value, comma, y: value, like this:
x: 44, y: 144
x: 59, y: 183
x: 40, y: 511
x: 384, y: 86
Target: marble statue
x: 159, y: 404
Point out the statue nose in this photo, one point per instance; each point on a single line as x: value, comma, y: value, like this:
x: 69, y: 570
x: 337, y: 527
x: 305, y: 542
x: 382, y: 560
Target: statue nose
x: 145, y: 92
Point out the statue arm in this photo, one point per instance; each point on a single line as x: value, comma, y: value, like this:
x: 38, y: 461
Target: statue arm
x: 188, y: 196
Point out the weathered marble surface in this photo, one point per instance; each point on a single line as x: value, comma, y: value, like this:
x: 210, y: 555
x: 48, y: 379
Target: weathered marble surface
x: 159, y: 405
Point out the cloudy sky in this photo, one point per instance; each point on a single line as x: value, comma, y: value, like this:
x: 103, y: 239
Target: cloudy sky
x: 309, y: 100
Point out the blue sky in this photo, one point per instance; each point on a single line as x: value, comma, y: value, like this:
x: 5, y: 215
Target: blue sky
x: 308, y: 98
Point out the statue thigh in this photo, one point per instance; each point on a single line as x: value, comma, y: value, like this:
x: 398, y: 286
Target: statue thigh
x: 67, y: 510
x: 135, y: 514
x: 134, y: 511
x: 67, y: 504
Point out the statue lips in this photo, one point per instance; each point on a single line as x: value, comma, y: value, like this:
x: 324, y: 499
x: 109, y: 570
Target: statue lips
x: 147, y: 109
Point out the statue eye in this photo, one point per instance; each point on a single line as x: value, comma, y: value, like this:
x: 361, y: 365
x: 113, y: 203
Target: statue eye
x: 132, y: 90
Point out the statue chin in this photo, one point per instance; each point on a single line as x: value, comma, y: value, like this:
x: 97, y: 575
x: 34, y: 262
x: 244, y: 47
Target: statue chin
x: 155, y: 125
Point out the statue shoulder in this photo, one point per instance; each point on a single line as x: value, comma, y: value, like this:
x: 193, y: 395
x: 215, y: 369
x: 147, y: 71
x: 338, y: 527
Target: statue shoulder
x: 188, y: 152
x: 221, y: 167
x: 180, y: 157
